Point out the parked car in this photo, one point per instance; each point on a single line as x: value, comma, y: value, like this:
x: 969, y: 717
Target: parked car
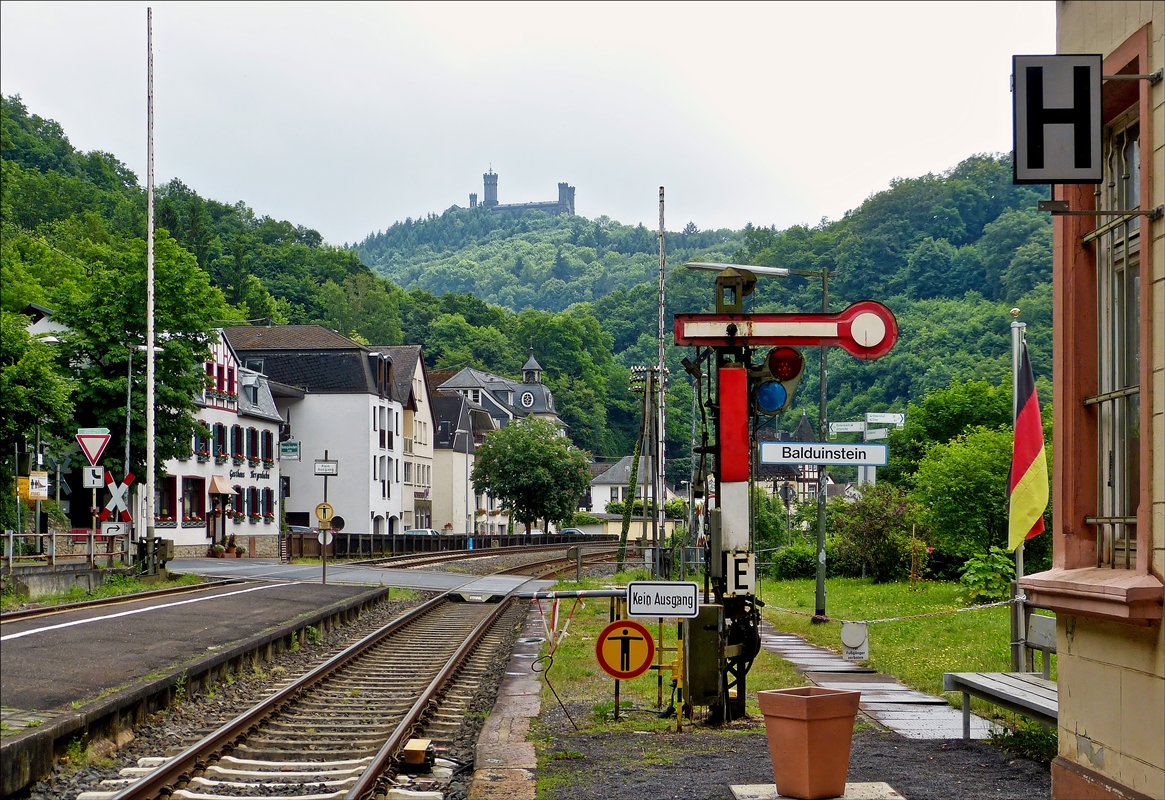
x: 572, y: 532
x: 537, y: 532
x: 422, y: 532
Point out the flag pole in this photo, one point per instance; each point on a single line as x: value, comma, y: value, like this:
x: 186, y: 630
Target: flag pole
x: 1018, y: 634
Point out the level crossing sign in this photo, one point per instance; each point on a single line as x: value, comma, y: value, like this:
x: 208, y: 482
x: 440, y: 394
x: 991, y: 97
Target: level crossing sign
x: 117, y: 501
x: 625, y: 649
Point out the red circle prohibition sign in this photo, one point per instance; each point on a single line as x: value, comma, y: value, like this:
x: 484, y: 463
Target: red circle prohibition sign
x: 625, y: 649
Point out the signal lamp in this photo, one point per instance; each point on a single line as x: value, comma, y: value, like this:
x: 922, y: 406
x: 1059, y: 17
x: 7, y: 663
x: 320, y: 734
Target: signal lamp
x: 774, y: 394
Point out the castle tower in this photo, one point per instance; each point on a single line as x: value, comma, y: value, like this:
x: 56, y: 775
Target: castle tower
x: 491, y: 189
x: 473, y: 199
x: 565, y: 198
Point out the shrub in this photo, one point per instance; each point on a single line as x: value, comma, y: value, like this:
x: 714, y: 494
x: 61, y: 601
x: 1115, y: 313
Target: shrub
x: 987, y: 577
x: 795, y: 561
x: 876, y: 531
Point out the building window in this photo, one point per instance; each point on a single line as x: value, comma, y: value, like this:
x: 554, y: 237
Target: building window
x: 220, y: 439
x: 408, y: 472
x: 166, y: 507
x: 237, y: 443
x: 193, y: 499
x: 252, y: 444
x: 1118, y: 402
x: 268, y: 446
x: 239, y: 500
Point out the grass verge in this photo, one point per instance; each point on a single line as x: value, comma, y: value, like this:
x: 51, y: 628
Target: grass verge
x: 114, y: 586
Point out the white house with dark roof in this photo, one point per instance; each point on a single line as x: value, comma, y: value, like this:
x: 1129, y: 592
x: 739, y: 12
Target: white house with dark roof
x: 506, y: 399
x: 410, y: 387
x: 348, y: 411
x: 238, y: 456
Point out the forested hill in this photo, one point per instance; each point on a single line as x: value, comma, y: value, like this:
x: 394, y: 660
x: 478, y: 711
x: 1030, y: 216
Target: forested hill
x: 532, y: 260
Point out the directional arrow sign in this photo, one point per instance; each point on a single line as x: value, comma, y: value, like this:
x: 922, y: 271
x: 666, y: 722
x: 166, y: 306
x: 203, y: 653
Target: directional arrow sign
x: 847, y: 427
x: 886, y: 417
x: 93, y: 442
x: 867, y: 330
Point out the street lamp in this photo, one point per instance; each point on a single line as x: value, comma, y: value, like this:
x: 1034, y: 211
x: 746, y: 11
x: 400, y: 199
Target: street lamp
x: 467, y: 443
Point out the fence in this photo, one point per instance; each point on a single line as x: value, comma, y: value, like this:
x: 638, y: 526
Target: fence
x: 79, y: 545
x: 377, y: 545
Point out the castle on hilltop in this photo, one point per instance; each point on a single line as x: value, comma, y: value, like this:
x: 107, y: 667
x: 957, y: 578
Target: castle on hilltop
x: 563, y: 205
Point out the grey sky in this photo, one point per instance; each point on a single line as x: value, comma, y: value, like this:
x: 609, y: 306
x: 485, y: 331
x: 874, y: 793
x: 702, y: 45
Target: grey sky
x: 347, y: 117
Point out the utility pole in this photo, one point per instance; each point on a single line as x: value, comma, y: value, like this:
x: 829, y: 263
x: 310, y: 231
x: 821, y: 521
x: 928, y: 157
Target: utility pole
x: 819, y: 612
x: 150, y: 421
x: 658, y: 481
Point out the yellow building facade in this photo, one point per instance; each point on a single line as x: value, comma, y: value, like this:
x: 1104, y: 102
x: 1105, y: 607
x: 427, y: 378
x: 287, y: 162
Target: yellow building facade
x: 1106, y: 584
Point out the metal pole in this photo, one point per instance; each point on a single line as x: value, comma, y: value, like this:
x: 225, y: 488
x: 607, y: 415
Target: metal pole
x: 1018, y: 634
x: 658, y: 469
x: 36, y: 509
x: 819, y: 613
x: 324, y: 533
x: 150, y: 421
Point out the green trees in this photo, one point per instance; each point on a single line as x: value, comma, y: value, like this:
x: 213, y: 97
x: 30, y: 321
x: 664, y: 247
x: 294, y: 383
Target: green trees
x: 533, y: 470
x: 962, y: 485
x: 106, y: 326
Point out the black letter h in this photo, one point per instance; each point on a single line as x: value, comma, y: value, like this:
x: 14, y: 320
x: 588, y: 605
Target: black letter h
x: 1079, y: 117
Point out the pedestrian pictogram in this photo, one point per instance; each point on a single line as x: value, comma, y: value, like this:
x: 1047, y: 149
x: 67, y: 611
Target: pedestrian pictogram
x: 117, y: 503
x: 625, y: 649
x: 93, y: 441
x: 324, y: 512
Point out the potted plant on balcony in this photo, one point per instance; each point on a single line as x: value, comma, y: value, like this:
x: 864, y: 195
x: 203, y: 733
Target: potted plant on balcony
x: 810, y: 730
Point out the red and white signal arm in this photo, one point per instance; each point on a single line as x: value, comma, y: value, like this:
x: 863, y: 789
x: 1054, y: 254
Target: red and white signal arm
x: 867, y: 330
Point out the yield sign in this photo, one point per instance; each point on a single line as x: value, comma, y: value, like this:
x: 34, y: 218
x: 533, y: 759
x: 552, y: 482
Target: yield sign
x: 93, y: 441
x: 117, y: 494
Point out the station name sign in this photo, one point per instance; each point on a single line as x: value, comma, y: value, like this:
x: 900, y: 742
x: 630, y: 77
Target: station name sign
x: 858, y: 455
x: 663, y: 599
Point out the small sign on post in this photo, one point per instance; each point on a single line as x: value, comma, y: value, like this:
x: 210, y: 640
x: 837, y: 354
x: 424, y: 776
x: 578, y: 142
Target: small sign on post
x: 93, y: 442
x: 855, y: 641
x: 327, y: 469
x: 38, y: 486
x: 92, y: 477
x: 624, y: 649
x: 663, y: 599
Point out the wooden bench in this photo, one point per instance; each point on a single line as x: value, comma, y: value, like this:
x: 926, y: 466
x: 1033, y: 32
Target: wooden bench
x: 1032, y: 694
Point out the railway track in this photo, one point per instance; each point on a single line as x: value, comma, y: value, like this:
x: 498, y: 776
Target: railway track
x: 415, y: 560
x: 334, y: 733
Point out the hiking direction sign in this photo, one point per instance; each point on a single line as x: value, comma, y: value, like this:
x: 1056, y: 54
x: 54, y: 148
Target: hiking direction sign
x: 93, y: 442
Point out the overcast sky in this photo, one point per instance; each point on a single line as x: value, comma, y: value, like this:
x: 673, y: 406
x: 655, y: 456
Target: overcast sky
x: 346, y: 118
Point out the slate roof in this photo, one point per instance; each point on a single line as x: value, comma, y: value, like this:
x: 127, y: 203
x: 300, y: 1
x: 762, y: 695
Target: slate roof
x: 287, y: 337
x: 804, y: 432
x: 511, y: 394
x: 265, y: 407
x: 450, y: 413
x: 404, y: 366
x: 439, y: 376
x: 598, y: 469
x: 620, y: 472
x: 777, y: 471
x: 309, y: 356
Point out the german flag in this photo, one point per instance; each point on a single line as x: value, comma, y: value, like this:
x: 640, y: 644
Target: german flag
x: 1027, y: 488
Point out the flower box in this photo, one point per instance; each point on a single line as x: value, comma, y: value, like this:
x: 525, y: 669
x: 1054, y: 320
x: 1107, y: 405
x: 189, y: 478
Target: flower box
x: 165, y: 523
x: 254, y: 462
x: 238, y: 460
x: 221, y: 458
x: 255, y: 518
x: 268, y: 462
x: 202, y: 458
x: 268, y: 518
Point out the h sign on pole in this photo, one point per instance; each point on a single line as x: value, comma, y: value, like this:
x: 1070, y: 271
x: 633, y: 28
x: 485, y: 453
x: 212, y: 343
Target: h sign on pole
x: 1057, y: 115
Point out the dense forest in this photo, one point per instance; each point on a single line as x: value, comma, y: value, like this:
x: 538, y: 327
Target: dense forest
x: 948, y: 253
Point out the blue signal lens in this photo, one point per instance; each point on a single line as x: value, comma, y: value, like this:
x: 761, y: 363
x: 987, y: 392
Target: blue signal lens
x: 771, y: 397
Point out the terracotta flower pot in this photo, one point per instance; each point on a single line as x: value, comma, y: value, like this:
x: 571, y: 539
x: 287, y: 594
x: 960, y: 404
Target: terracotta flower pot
x: 810, y: 730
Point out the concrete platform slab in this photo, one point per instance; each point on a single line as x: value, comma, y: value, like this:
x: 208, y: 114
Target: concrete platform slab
x: 876, y: 790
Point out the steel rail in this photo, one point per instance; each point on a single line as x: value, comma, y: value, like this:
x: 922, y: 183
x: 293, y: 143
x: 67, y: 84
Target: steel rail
x: 161, y: 782
x: 366, y: 784
x: 44, y: 611
x: 420, y: 559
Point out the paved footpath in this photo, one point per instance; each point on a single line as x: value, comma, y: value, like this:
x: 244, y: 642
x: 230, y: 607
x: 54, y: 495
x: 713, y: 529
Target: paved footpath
x: 912, y: 714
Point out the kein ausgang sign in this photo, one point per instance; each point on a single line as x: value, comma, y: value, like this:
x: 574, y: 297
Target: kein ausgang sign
x: 858, y: 455
x: 663, y: 599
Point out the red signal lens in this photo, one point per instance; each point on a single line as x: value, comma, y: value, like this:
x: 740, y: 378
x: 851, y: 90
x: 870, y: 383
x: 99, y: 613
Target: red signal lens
x: 785, y: 363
